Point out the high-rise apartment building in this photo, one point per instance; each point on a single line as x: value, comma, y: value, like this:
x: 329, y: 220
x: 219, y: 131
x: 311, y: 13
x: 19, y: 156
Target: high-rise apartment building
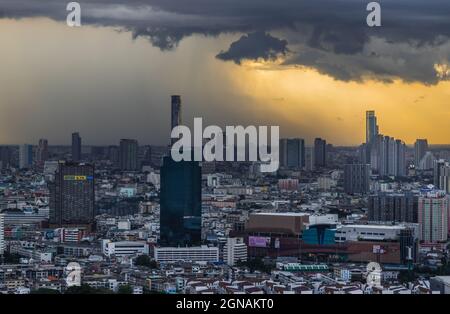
x: 427, y: 162
x: 309, y: 159
x: 420, y: 148
x: 356, y: 178
x: 76, y: 147
x: 72, y: 196
x: 441, y: 175
x: 393, y: 207
x: 25, y: 156
x: 320, y: 152
x: 5, y: 157
x: 128, y: 155
x: 292, y: 153
x: 388, y: 156
x: 433, y: 210
x: 42, y: 151
x: 113, y: 155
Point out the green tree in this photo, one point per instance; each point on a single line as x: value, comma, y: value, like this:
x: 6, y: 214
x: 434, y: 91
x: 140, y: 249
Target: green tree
x: 146, y: 261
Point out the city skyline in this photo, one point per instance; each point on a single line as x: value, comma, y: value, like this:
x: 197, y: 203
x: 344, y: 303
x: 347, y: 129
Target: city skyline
x: 110, y: 78
x: 371, y: 129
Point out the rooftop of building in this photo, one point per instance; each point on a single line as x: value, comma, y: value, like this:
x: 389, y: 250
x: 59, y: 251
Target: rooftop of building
x: 282, y: 214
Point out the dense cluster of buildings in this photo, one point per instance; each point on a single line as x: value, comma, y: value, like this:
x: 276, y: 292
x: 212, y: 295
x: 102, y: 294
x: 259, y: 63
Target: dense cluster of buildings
x: 129, y: 215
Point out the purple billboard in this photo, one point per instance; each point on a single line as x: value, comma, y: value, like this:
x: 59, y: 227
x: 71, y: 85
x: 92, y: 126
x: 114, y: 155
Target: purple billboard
x: 258, y: 241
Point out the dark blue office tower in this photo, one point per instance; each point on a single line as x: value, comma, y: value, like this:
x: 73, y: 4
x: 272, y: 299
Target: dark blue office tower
x: 181, y: 203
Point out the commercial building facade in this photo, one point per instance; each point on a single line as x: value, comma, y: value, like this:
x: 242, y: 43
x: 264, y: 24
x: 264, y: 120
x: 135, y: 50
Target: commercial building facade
x: 180, y: 203
x: 195, y: 254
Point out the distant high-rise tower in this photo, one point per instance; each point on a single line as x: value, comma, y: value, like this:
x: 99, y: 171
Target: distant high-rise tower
x: 128, y: 155
x: 292, y: 153
x: 175, y: 113
x: 320, y: 152
x: 25, y: 156
x: 42, y: 151
x: 72, y: 196
x: 371, y: 126
x: 420, y: 148
x: 371, y: 136
x: 76, y: 147
x: 388, y: 156
x: 309, y: 158
x: 441, y: 174
x: 113, y: 155
x: 5, y: 157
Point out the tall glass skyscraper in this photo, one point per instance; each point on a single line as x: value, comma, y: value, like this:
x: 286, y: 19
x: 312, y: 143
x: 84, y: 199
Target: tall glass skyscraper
x: 181, y: 203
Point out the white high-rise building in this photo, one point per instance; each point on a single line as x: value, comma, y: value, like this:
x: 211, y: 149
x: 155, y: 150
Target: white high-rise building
x: 235, y: 250
x: 433, y: 213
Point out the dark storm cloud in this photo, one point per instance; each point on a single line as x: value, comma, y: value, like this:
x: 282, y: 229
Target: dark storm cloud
x: 329, y: 35
x: 255, y: 46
